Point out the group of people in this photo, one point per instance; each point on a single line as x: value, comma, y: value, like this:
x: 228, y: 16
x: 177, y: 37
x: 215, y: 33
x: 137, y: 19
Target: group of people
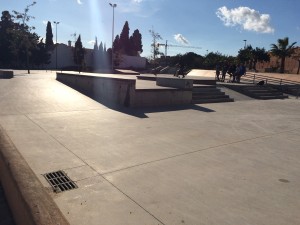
x: 235, y: 72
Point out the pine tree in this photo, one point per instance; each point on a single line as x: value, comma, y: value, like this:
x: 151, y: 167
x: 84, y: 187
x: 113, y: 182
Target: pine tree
x: 49, y: 36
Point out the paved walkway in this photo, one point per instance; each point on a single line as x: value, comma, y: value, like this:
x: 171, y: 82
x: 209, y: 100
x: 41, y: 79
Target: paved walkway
x: 217, y: 164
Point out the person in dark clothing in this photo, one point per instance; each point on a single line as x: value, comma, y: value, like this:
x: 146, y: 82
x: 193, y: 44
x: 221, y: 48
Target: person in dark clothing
x: 180, y: 70
x: 241, y: 72
x: 224, y: 71
x: 231, y: 72
x: 218, y: 71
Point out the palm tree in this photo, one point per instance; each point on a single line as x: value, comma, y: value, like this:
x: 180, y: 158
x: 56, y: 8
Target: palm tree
x: 282, y: 50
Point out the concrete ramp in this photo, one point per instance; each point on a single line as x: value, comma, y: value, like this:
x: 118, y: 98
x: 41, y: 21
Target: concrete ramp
x: 202, y: 76
x: 202, y: 73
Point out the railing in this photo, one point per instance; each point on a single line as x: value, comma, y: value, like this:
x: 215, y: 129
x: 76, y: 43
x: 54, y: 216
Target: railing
x: 284, y: 85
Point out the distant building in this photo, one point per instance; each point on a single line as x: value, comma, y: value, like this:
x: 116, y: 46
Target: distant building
x: 291, y: 63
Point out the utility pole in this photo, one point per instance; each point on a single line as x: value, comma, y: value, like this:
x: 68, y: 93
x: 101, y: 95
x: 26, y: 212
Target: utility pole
x: 56, y: 23
x: 245, y: 44
x: 112, y: 36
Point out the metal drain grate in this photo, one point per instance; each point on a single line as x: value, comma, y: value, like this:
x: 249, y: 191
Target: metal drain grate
x: 59, y: 181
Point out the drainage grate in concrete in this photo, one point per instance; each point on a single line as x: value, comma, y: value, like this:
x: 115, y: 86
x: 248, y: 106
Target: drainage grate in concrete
x: 59, y: 181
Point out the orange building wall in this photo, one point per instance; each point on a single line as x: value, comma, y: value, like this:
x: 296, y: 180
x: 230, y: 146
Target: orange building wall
x: 291, y: 64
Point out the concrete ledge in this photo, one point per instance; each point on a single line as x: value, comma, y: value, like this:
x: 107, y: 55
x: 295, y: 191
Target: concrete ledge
x: 6, y: 74
x: 29, y: 202
x: 161, y: 97
x: 110, y: 91
x: 116, y: 92
x: 174, y: 82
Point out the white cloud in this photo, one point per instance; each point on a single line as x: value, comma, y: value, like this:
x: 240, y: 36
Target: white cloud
x: 180, y: 39
x: 45, y: 22
x: 92, y: 42
x: 79, y: 2
x: 136, y: 1
x: 248, y: 19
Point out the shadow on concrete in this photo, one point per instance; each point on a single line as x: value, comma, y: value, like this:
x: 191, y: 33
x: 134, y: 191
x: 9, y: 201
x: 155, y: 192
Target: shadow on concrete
x: 5, y: 212
x: 142, y: 112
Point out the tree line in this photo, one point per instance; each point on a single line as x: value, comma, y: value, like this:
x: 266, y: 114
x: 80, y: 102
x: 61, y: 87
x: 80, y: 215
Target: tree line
x: 248, y: 55
x: 20, y: 46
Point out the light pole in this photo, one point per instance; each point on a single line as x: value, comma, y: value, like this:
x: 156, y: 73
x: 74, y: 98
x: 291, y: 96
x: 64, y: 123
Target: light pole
x: 245, y: 44
x: 56, y: 23
x: 112, y: 37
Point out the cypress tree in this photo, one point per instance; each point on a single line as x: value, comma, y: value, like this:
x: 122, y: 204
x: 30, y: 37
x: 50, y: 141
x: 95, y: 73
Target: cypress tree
x: 136, y: 46
x: 49, y: 36
x: 78, y: 53
x: 124, y: 39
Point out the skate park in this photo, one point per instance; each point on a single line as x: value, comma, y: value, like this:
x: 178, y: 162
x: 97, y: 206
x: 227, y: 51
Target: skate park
x: 172, y: 162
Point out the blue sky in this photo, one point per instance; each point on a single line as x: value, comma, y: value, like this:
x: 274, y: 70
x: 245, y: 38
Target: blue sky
x: 213, y: 25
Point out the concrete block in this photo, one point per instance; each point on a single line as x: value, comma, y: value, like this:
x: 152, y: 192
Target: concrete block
x: 174, y: 82
x: 6, y: 74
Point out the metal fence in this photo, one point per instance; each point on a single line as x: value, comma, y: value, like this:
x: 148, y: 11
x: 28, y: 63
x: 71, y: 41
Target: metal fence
x: 284, y: 85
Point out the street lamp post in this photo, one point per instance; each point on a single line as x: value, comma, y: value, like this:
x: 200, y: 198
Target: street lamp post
x: 112, y: 37
x: 245, y: 44
x: 56, y: 23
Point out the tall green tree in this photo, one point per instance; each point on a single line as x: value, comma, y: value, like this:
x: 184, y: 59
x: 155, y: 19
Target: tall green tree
x: 117, y: 44
x: 124, y: 39
x: 259, y: 55
x: 245, y: 55
x: 41, y: 55
x: 282, y: 50
x: 27, y: 40
x: 49, y: 36
x: 212, y: 59
x: 78, y: 53
x: 6, y: 26
x: 136, y: 47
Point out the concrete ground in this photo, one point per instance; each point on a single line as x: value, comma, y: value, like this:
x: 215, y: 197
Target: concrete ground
x: 211, y: 164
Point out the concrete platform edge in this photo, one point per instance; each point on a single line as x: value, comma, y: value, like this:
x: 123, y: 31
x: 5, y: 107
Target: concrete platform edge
x: 29, y: 201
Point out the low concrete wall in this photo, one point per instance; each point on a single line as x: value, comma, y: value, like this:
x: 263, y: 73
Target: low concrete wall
x: 161, y: 97
x: 117, y: 92
x: 110, y: 91
x: 174, y: 82
x: 27, y: 197
x: 6, y: 74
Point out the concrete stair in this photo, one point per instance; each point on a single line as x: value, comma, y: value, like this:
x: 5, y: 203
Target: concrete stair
x: 209, y: 94
x: 289, y: 89
x: 262, y: 92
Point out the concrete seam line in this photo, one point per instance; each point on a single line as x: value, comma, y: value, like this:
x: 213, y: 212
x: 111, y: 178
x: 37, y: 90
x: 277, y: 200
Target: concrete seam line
x: 27, y: 197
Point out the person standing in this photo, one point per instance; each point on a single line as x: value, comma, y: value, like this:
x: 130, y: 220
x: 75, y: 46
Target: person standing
x: 224, y: 71
x: 218, y: 71
x: 231, y: 72
x: 242, y: 71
